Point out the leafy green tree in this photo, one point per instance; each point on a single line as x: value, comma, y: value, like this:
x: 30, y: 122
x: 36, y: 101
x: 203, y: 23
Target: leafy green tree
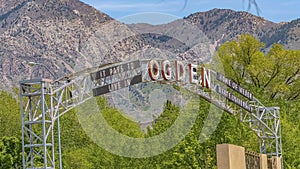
x: 275, y: 74
x: 10, y: 152
x: 274, y: 78
x: 240, y: 59
x: 10, y: 118
x: 283, y: 72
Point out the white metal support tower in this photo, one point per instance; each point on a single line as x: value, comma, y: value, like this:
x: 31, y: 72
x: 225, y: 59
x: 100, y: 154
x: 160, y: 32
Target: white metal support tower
x: 37, y: 124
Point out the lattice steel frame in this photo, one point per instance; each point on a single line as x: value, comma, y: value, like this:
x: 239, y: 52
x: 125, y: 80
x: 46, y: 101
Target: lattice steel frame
x: 265, y: 121
x: 37, y: 124
x: 43, y: 101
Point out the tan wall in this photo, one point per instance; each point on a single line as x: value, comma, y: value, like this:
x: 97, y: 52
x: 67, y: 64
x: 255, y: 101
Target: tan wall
x: 230, y: 157
x: 263, y: 161
x: 277, y: 162
x: 233, y: 157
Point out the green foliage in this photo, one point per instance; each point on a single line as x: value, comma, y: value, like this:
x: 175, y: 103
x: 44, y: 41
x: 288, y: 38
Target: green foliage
x: 239, y: 58
x: 10, y: 152
x: 274, y: 78
x: 10, y: 118
x: 121, y: 122
x: 290, y: 124
x: 72, y: 135
x: 10, y: 132
x: 274, y: 74
x: 165, y: 120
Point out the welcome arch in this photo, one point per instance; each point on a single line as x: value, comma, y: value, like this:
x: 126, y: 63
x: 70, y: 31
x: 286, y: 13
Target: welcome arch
x: 47, y: 100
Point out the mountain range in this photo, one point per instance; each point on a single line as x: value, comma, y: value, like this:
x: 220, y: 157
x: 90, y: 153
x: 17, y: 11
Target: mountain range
x: 68, y: 36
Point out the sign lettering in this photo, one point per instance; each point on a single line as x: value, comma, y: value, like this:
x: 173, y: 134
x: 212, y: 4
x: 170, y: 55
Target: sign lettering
x: 115, y: 70
x: 164, y: 70
x: 117, y: 85
x: 234, y: 86
x: 234, y: 99
x: 124, y: 75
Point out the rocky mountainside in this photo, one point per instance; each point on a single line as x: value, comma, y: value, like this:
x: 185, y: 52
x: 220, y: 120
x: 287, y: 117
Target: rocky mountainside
x: 223, y: 24
x: 68, y: 35
x: 52, y: 32
x: 287, y: 34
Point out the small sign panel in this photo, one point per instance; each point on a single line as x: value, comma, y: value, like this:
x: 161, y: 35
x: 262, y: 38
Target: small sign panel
x: 234, y: 86
x: 115, y: 70
x: 234, y: 99
x: 117, y: 85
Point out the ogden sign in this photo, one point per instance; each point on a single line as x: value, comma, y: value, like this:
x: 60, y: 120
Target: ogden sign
x: 164, y: 70
x: 115, y: 77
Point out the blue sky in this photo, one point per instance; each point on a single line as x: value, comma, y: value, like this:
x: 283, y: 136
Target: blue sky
x: 274, y: 10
